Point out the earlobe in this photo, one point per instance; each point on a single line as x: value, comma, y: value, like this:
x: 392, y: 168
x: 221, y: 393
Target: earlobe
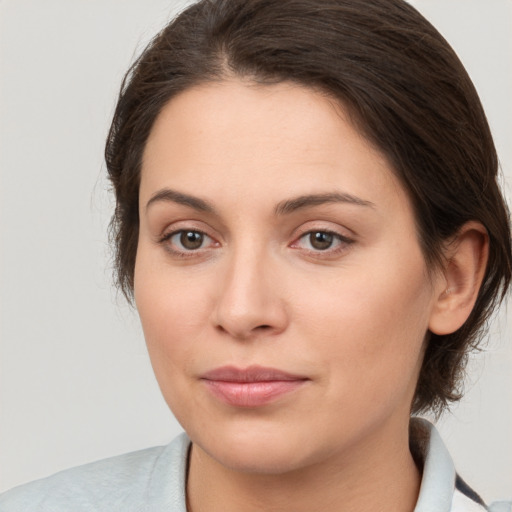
x: 466, y: 262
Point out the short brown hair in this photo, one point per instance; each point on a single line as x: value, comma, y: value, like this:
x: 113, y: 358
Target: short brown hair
x: 406, y: 92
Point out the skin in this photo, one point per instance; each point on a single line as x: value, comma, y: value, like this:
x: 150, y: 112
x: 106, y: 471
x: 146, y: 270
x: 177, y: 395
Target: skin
x: 351, y: 319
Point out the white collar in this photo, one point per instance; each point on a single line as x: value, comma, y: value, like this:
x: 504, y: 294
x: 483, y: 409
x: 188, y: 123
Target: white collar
x: 438, y: 492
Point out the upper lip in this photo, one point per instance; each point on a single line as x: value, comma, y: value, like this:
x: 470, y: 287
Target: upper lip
x: 250, y: 374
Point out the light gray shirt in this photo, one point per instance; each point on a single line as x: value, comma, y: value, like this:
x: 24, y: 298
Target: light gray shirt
x: 153, y: 480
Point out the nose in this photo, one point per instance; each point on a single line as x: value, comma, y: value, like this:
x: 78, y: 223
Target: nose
x: 249, y: 301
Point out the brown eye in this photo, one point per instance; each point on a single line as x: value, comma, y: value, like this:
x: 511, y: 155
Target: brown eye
x: 187, y: 242
x: 321, y: 240
x: 323, y: 243
x: 191, y: 240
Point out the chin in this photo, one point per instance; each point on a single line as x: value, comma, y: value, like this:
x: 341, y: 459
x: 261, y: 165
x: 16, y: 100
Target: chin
x: 259, y: 458
x: 262, y: 449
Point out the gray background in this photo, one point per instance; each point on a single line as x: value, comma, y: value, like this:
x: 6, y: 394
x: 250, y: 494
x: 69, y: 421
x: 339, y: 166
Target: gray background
x: 75, y: 380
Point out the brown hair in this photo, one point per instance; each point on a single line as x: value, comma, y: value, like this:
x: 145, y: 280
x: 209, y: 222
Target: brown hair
x: 406, y: 91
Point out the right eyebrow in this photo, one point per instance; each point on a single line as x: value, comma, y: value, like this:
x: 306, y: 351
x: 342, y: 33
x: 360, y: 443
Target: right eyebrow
x: 173, y: 196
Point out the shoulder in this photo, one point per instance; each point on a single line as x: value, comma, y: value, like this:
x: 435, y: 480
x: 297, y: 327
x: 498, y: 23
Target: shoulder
x: 123, y: 483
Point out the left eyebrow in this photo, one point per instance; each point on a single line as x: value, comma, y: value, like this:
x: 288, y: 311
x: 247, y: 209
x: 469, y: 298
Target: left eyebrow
x: 297, y: 203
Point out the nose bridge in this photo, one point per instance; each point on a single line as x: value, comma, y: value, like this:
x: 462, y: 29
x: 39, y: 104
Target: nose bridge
x: 248, y: 298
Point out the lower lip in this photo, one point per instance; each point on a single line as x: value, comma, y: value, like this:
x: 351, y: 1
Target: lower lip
x: 252, y: 394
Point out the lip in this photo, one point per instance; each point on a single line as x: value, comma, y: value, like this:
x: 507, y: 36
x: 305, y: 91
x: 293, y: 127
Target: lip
x: 254, y: 386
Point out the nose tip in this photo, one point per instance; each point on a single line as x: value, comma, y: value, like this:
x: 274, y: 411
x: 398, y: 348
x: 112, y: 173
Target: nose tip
x: 245, y: 318
x: 248, y: 303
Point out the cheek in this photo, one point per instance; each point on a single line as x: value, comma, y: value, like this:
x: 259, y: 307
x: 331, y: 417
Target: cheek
x: 173, y: 313
x: 369, y: 328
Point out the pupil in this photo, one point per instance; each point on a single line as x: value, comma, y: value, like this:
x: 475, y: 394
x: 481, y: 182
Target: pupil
x: 191, y: 239
x: 321, y: 240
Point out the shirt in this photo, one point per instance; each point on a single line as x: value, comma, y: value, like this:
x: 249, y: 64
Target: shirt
x: 154, y: 479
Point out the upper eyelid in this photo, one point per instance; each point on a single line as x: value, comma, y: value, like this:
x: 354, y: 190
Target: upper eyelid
x: 323, y: 230
x: 185, y: 225
x: 168, y: 233
x: 312, y: 226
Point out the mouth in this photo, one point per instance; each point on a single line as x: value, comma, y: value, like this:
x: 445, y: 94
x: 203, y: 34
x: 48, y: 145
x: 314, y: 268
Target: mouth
x: 254, y: 386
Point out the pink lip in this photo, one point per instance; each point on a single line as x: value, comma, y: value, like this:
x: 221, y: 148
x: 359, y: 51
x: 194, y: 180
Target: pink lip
x: 250, y: 387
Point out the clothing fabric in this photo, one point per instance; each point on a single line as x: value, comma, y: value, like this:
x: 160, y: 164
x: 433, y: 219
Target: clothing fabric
x: 153, y: 480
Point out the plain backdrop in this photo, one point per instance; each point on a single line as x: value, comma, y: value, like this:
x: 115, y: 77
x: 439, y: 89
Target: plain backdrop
x: 75, y: 380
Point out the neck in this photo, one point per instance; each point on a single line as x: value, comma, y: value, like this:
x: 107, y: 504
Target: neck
x: 376, y: 475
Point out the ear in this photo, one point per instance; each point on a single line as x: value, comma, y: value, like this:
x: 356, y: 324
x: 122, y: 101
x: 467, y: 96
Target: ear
x: 466, y: 261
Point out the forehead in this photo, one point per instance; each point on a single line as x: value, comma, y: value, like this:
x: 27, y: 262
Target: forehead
x: 241, y: 138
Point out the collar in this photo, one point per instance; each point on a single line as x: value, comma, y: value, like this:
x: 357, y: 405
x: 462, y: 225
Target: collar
x: 441, y: 489
x: 438, y: 480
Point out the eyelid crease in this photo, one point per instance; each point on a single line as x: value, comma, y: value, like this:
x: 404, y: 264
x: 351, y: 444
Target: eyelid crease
x: 325, y: 225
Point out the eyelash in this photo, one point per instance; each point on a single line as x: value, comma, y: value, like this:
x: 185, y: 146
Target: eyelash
x: 342, y: 243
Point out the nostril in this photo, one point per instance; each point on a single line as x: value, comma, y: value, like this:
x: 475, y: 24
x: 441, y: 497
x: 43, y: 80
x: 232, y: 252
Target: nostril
x: 244, y: 335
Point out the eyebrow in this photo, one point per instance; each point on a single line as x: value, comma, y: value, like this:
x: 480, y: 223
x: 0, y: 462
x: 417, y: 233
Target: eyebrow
x: 292, y: 205
x: 283, y: 208
x: 168, y: 195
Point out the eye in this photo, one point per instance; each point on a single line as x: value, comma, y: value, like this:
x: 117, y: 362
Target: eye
x: 187, y: 240
x: 322, y: 241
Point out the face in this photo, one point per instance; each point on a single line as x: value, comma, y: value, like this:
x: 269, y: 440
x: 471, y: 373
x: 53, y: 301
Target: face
x: 281, y: 287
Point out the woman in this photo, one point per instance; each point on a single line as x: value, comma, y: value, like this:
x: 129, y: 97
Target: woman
x: 309, y: 224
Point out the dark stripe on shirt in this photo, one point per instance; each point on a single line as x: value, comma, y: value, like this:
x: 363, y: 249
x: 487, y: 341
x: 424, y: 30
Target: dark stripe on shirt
x: 464, y: 488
